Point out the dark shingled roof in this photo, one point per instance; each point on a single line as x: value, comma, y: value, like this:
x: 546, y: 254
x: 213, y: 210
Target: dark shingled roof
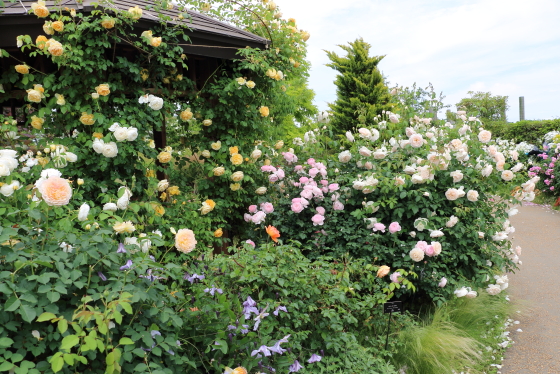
x: 219, y: 38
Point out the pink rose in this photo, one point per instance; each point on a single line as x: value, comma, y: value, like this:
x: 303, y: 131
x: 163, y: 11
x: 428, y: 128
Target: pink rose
x: 324, y: 182
x: 250, y: 242
x: 378, y: 227
x: 258, y: 218
x: 297, y: 207
x: 394, y: 227
x: 318, y: 220
x: 289, y: 157
x: 313, y: 172
x: 267, y: 207
x: 442, y: 282
x: 395, y: 277
x: 333, y: 187
x: 247, y: 217
x: 303, y: 180
x: 252, y: 209
x: 298, y: 168
x: 308, y: 194
x: 311, y: 162
x: 421, y: 245
x: 280, y: 173
x: 268, y: 168
x: 337, y: 205
x: 429, y: 251
x: 320, y: 210
x: 273, y: 178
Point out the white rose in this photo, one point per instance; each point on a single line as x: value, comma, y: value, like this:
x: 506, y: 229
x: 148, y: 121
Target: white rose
x: 480, y: 235
x: 156, y: 103
x: 517, y: 167
x: 374, y: 135
x: 416, y: 140
x: 114, y: 126
x: 83, y: 212
x: 132, y: 134
x: 256, y: 154
x: 457, y: 176
x: 472, y: 195
x: 162, y: 185
x: 98, y: 145
x: 364, y: 133
x: 493, y: 289
x: 484, y: 136
x: 111, y: 207
x: 416, y: 254
x: 121, y: 134
x: 437, y: 248
x: 110, y: 149
x: 70, y: 157
x: 344, y: 157
x: 452, y: 221
x: 4, y: 170
x: 399, y: 181
x: 379, y: 154
x: 471, y: 294
x: 436, y: 233
x: 487, y: 170
x: 409, y: 170
x: 260, y: 191
x: 349, y: 136
x: 452, y: 194
x: 8, y: 189
x: 417, y: 179
x: 507, y: 175
x: 364, y: 152
x: 394, y: 118
x: 463, y: 291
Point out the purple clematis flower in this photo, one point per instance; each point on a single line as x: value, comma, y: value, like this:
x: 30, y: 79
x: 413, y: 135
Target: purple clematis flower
x: 121, y: 248
x: 193, y: 278
x: 314, y: 358
x: 259, y: 318
x: 262, y: 349
x: 296, y: 366
x: 278, y: 309
x: 213, y: 290
x: 127, y: 265
x: 102, y: 276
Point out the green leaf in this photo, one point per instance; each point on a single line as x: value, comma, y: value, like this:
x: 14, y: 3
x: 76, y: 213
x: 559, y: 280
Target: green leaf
x: 126, y: 306
x: 62, y: 325
x: 53, y: 296
x: 6, y: 342
x: 69, y: 341
x: 27, y: 313
x: 46, y: 317
x: 57, y: 362
x: 12, y: 304
x: 6, y: 365
x: 126, y: 341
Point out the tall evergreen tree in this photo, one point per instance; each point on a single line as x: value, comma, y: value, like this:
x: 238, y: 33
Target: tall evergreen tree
x: 361, y: 90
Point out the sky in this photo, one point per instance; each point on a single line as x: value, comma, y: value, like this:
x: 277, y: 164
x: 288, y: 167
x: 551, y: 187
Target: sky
x: 506, y: 47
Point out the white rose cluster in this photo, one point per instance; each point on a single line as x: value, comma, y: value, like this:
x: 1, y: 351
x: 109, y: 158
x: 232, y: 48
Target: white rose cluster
x: 8, y: 161
x: 154, y: 102
x: 124, y: 133
x: 109, y: 150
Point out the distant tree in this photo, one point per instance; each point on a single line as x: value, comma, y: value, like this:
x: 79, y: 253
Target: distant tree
x: 485, y: 106
x: 361, y: 90
x: 424, y: 102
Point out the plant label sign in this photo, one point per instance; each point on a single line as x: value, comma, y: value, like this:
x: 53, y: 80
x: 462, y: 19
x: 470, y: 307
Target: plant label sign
x: 392, y: 307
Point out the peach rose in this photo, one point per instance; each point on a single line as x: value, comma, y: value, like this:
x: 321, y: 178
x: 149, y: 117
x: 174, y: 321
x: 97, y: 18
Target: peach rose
x: 108, y: 23
x: 40, y: 9
x: 218, y: 233
x: 484, y: 136
x: 22, y: 69
x: 264, y: 111
x: 58, y: 26
x: 383, y: 271
x: 185, y: 240
x: 155, y: 42
x: 103, y: 89
x: 55, y: 191
x: 507, y: 175
x: 236, y: 159
x: 54, y: 47
x: 87, y: 119
x: 186, y: 115
x: 219, y: 171
x: 452, y: 194
x: 437, y: 248
x: 41, y: 41
x: 34, y: 96
x: 416, y: 140
x: 472, y: 195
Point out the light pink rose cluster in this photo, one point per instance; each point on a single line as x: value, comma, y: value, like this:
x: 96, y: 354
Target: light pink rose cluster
x: 430, y: 250
x: 289, y: 157
x: 258, y: 216
x: 276, y: 174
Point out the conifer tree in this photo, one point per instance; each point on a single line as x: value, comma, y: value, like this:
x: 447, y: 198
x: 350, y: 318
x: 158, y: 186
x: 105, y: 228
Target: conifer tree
x: 361, y: 89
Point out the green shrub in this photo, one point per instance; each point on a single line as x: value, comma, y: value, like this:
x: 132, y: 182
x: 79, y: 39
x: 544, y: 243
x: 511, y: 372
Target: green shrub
x: 523, y: 131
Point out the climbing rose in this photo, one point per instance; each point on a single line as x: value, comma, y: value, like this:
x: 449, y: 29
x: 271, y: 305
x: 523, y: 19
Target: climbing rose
x: 185, y: 240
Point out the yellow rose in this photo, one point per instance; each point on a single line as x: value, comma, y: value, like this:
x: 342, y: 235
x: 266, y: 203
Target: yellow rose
x: 267, y: 162
x: 164, y: 157
x: 135, y: 12
x: 235, y: 186
x: 173, y: 190
x: 37, y: 122
x: 185, y: 240
x: 233, y: 150
x: 283, y: 88
x: 60, y: 99
x: 155, y: 42
x: 383, y: 271
x: 22, y: 69
x: 207, y: 122
x: 250, y: 84
x: 73, y: 12
x: 236, y: 159
x: 144, y: 74
x: 206, y: 153
x: 219, y: 171
x: 124, y: 227
x: 163, y: 196
x: 186, y: 115
x: 218, y: 233
x: 97, y: 135
x: 179, y: 77
x: 210, y: 203
x: 80, y: 181
x: 87, y: 119
x: 305, y: 36
x: 34, y: 96
x: 241, y: 81
x: 39, y: 87
x: 43, y: 161
x: 108, y: 23
x: 94, y: 95
x: 260, y: 191
x: 264, y: 111
x: 237, y: 176
x: 150, y: 173
x: 103, y: 89
x: 41, y: 41
x: 54, y: 47
x: 47, y: 28
x: 58, y: 26
x: 160, y: 211
x: 279, y: 144
x: 216, y: 146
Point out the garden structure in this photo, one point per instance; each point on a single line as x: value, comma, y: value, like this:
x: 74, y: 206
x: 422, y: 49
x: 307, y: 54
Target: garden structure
x: 208, y: 44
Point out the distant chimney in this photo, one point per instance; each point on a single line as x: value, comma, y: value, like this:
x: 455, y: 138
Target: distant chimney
x: 521, y: 108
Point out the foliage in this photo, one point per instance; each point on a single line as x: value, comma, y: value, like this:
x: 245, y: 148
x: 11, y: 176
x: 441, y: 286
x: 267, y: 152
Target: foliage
x: 361, y: 91
x: 524, y: 131
x: 463, y: 334
x: 485, y: 106
x: 424, y: 102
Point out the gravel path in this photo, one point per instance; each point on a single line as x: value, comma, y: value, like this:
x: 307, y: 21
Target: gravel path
x: 535, y: 287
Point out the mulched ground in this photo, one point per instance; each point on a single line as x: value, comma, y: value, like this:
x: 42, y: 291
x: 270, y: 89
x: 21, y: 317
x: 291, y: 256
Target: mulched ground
x: 536, y: 289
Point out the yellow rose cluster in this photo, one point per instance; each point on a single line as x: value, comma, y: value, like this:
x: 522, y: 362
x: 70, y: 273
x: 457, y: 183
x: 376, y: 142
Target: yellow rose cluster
x: 186, y: 115
x: 207, y: 207
x: 275, y: 74
x: 154, y: 41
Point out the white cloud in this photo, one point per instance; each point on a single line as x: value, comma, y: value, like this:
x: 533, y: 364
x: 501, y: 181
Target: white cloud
x: 507, y: 47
